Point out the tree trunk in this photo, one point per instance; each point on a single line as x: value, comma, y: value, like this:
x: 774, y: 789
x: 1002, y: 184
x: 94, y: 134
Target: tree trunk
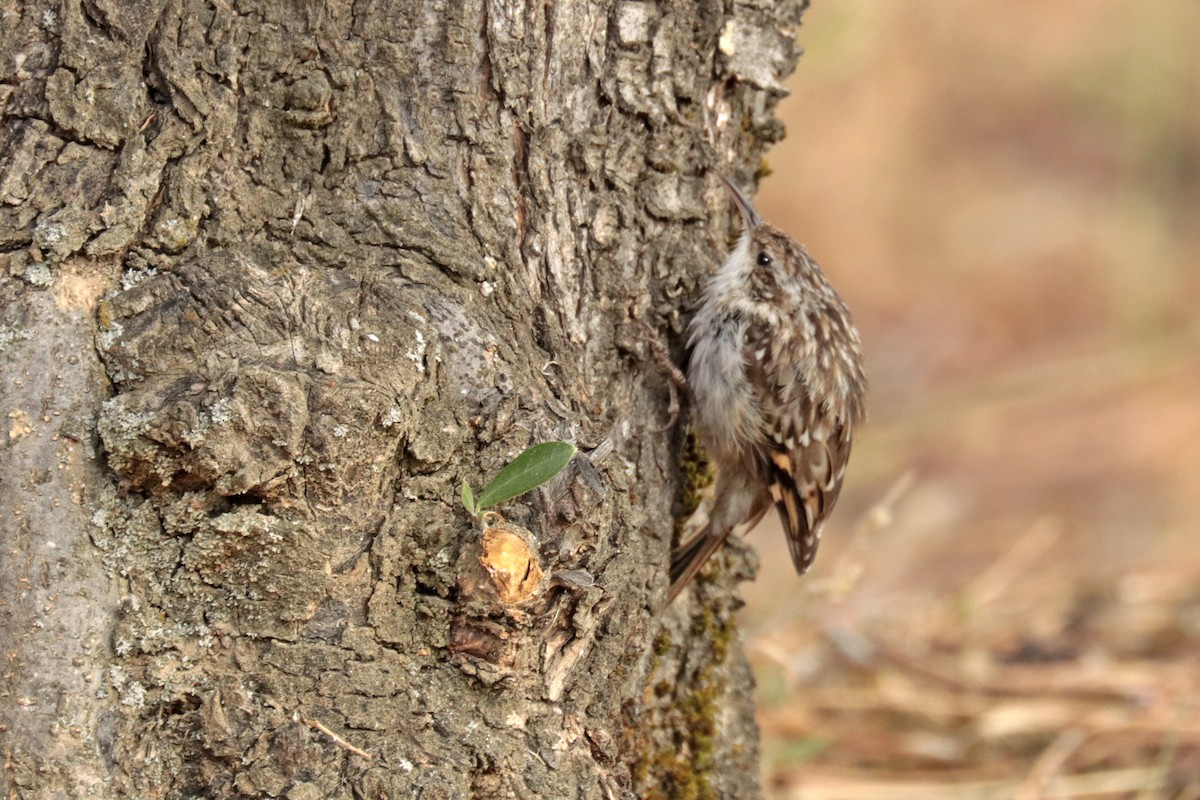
x: 279, y: 277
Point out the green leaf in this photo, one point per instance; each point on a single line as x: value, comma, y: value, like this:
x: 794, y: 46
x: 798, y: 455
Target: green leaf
x: 527, y: 471
x: 468, y: 498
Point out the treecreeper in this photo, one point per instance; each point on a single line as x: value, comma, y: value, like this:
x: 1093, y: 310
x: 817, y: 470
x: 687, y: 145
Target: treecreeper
x: 778, y: 391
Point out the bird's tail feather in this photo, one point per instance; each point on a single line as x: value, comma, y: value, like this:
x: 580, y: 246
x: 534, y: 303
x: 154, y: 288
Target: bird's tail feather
x: 687, y: 561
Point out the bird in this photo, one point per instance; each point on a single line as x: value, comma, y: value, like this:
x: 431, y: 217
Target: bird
x: 778, y: 390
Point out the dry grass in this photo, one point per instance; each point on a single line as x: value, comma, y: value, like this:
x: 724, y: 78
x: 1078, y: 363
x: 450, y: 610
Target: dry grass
x: 1007, y: 604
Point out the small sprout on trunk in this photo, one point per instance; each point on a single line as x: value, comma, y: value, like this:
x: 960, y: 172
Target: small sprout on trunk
x: 523, y: 474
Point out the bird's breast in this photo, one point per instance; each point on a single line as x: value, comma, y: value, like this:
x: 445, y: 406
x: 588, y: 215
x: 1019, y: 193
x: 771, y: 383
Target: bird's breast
x: 725, y: 406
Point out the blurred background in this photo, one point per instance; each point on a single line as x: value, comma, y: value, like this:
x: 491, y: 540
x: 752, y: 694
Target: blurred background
x: 1007, y: 601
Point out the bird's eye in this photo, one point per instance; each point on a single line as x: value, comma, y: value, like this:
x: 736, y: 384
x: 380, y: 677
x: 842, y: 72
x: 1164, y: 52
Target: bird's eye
x: 764, y: 260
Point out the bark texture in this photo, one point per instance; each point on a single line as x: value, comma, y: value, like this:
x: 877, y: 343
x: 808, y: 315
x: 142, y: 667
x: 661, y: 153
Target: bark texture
x: 276, y: 279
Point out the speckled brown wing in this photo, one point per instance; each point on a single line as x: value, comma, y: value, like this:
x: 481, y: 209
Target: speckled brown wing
x: 805, y: 483
x: 804, y: 448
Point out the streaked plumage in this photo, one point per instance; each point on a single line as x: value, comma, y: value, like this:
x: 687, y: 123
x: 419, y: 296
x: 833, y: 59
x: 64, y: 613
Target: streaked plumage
x: 777, y: 379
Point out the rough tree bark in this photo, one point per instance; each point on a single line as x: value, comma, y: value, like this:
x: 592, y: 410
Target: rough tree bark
x: 277, y: 278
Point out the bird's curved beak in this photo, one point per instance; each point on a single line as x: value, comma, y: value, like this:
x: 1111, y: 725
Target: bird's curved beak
x: 750, y: 217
